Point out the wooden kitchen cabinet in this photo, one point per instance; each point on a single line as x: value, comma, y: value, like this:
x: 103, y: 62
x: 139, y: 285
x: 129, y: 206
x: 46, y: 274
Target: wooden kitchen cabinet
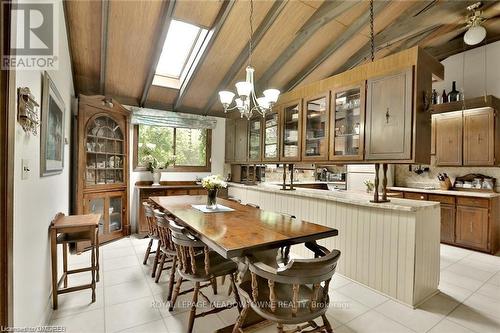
x: 448, y: 139
x: 255, y: 139
x: 472, y: 227
x: 230, y: 140
x: 291, y: 131
x: 479, y: 137
x: 112, y: 207
x: 316, y: 125
x: 347, y: 123
x: 448, y: 223
x: 415, y: 196
x: 389, y: 111
x: 240, y: 140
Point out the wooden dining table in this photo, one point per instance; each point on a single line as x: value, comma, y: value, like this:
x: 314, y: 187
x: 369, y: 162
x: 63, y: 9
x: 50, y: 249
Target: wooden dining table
x: 244, y: 230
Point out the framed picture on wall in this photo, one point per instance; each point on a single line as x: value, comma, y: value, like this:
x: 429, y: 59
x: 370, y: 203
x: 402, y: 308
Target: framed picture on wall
x: 52, y: 129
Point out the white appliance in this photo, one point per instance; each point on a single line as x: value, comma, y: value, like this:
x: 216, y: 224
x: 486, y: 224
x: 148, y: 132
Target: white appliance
x: 357, y: 174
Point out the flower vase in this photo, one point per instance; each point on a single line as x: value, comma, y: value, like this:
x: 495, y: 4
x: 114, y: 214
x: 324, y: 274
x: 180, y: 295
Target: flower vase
x: 156, y: 177
x: 212, y: 198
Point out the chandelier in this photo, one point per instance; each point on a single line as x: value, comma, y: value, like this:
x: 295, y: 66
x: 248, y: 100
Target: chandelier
x: 247, y: 102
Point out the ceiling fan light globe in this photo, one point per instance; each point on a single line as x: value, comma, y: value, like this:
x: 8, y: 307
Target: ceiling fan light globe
x: 475, y: 35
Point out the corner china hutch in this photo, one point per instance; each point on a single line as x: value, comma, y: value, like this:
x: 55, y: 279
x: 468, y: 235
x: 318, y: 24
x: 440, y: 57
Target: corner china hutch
x: 102, y: 166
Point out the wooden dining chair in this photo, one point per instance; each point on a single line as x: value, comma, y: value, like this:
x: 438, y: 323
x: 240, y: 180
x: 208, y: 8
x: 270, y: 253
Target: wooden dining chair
x: 167, y: 251
x: 198, y: 264
x: 153, y: 235
x: 291, y: 295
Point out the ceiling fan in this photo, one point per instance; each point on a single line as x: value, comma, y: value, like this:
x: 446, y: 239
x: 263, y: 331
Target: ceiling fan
x: 475, y: 33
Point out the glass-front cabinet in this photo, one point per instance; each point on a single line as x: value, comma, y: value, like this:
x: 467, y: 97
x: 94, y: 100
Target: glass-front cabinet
x: 291, y: 124
x: 316, y: 128
x: 255, y: 139
x: 271, y: 136
x: 110, y: 205
x: 347, y: 117
x: 104, y: 152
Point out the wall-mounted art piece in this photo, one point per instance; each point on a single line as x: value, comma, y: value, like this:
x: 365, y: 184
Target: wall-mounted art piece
x: 52, y: 129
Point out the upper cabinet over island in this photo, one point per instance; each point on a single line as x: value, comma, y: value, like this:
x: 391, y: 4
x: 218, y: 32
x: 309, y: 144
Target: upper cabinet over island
x: 377, y: 112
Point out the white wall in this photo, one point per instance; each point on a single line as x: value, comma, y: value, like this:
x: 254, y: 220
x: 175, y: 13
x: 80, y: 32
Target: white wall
x: 218, y: 150
x: 38, y: 199
x: 474, y: 72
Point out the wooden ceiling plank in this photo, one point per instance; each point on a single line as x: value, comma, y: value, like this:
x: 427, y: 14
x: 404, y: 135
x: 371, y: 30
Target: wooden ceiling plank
x: 68, y: 35
x: 205, y: 48
x: 266, y: 23
x: 351, y: 31
x: 167, y: 18
x: 104, y: 45
x: 327, y: 12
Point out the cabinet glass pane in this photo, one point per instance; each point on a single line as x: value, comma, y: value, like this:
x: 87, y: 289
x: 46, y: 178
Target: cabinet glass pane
x: 105, y: 147
x: 347, y: 122
x: 115, y: 213
x: 316, y: 122
x: 254, y: 144
x: 291, y: 131
x: 271, y: 135
x: 96, y: 206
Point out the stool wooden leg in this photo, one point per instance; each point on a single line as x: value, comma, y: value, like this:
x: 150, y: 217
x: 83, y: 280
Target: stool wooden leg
x: 160, y: 267
x: 236, y: 293
x: 213, y: 282
x: 148, y: 251
x: 93, y: 264
x: 192, y: 314
x: 172, y: 278
x: 97, y: 254
x: 157, y: 257
x: 65, y: 264
x: 53, y: 252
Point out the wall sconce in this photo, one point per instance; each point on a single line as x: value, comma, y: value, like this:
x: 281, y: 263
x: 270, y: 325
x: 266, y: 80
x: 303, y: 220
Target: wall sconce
x: 26, y: 111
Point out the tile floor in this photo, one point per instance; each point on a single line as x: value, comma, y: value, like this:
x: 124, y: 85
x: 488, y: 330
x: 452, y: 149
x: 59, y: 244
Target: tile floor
x: 128, y: 300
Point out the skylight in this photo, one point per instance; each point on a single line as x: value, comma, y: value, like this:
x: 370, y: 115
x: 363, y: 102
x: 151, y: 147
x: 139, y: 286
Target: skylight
x: 181, y: 46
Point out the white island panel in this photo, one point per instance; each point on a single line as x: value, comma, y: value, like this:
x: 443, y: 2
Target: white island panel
x: 393, y: 250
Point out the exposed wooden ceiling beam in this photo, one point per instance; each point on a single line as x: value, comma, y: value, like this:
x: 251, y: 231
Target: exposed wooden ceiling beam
x: 104, y: 45
x: 412, y: 23
x: 205, y: 48
x: 328, y: 11
x: 166, y: 19
x: 456, y: 46
x: 350, y: 32
x: 270, y: 18
x: 68, y: 36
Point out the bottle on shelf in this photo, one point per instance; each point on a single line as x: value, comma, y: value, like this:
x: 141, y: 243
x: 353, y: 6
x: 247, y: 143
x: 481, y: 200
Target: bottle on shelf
x: 434, y: 96
x: 445, y: 97
x: 454, y: 95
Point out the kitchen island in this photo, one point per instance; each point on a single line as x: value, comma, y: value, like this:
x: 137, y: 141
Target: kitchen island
x: 391, y: 247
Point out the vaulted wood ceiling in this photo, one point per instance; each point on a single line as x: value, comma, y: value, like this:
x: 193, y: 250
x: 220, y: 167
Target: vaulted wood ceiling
x: 115, y: 45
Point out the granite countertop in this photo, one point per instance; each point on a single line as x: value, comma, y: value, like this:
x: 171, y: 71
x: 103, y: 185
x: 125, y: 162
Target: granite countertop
x: 358, y: 198
x: 445, y: 192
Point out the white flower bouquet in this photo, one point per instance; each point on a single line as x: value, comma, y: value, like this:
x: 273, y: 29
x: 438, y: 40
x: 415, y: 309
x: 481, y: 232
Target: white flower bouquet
x: 213, y: 182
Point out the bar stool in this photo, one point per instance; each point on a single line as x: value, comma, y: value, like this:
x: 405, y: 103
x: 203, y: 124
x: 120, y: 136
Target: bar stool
x: 72, y: 229
x: 153, y: 235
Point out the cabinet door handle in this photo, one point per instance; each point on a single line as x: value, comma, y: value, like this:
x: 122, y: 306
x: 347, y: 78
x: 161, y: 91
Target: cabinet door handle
x: 470, y: 224
x: 387, y: 116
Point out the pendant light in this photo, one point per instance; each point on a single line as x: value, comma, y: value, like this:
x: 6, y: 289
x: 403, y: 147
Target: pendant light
x: 247, y: 102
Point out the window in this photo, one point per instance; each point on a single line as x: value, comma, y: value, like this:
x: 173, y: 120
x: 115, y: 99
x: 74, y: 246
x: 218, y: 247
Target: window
x: 191, y: 147
x: 183, y: 43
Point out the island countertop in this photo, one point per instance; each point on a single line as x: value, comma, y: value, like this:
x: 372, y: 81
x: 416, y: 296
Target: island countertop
x: 445, y: 192
x: 349, y: 197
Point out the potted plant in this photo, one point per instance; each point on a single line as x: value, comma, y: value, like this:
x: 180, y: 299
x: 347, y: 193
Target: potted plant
x: 154, y: 165
x: 369, y: 186
x: 212, y: 184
